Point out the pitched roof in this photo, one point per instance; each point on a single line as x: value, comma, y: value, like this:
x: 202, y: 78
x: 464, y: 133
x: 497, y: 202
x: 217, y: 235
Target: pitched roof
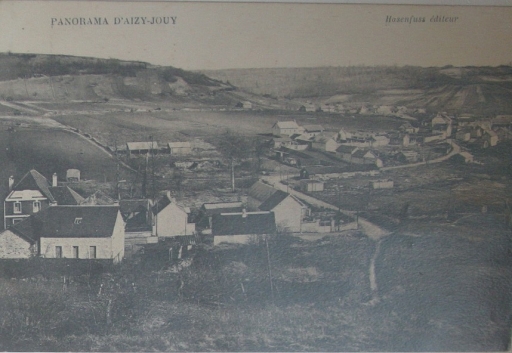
x: 161, y: 204
x: 134, y: 146
x: 65, y: 195
x: 34, y: 180
x: 69, y: 222
x: 345, y: 149
x: 261, y: 191
x: 240, y: 223
x: 292, y: 124
x: 98, y: 198
x: 135, y: 214
x: 364, y: 154
x: 273, y: 200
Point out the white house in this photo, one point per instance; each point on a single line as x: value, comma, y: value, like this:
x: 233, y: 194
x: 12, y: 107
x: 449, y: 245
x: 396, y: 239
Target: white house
x: 74, y: 232
x: 170, y: 219
x: 287, y: 128
x: 34, y: 193
x: 289, y: 211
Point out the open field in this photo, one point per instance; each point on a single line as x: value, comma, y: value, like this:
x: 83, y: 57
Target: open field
x: 437, y: 291
x: 53, y: 150
x: 183, y: 125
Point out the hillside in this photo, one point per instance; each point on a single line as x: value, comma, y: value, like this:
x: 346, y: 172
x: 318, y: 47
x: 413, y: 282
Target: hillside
x: 67, y: 78
x: 478, y: 90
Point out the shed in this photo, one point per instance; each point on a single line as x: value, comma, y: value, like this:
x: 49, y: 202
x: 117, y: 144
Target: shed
x: 141, y: 148
x: 73, y: 175
x: 179, y: 148
x: 311, y: 185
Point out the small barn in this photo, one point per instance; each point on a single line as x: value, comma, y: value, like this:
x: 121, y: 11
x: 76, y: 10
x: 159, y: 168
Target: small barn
x: 179, y: 148
x: 141, y: 148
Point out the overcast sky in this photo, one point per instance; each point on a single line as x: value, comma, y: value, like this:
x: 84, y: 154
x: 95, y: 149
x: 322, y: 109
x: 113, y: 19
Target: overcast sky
x: 222, y: 35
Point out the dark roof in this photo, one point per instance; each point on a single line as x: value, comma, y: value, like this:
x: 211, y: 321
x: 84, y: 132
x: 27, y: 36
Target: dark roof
x: 34, y: 180
x: 345, y: 149
x: 26, y: 229
x: 273, y: 200
x: 135, y: 214
x: 65, y: 195
x: 237, y: 223
x: 161, y: 204
x: 131, y: 206
x: 261, y: 191
x: 361, y: 153
x: 69, y: 222
x: 313, y: 128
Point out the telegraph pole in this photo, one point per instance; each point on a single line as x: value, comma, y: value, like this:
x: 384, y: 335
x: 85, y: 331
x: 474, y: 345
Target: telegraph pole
x: 153, y: 193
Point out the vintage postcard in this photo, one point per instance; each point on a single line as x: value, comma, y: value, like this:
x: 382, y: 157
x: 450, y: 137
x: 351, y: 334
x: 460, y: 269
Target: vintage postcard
x: 213, y: 176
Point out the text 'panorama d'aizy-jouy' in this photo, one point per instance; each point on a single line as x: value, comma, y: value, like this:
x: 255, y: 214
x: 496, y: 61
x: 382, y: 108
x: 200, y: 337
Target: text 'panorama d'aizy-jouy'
x: 105, y: 21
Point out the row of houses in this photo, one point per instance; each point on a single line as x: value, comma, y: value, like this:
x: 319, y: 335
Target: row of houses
x: 53, y: 221
x: 50, y: 220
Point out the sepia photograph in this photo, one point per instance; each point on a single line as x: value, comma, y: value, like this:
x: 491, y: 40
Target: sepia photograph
x: 228, y: 176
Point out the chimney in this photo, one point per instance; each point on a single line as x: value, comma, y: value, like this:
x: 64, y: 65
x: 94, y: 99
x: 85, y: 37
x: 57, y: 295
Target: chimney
x: 54, y: 179
x: 11, y: 182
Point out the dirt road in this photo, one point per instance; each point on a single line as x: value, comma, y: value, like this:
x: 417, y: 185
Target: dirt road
x: 455, y: 150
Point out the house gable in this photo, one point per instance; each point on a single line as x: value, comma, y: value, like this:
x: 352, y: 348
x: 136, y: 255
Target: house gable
x: 15, y: 246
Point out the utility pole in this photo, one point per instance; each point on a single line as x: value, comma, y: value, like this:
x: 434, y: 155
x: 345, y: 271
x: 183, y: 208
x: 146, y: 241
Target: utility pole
x: 232, y: 174
x: 153, y: 193
x: 269, y: 271
x: 117, y: 183
x: 144, y: 178
x: 338, y: 221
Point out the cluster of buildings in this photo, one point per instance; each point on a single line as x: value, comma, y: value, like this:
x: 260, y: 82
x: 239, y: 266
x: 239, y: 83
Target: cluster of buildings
x: 49, y: 219
x: 292, y: 143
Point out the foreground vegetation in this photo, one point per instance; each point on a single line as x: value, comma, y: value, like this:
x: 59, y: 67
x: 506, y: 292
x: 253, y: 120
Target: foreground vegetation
x: 294, y: 295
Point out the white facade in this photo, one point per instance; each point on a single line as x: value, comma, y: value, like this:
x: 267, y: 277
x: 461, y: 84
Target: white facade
x: 87, y: 247
x: 12, y: 246
x: 172, y: 221
x: 289, y: 214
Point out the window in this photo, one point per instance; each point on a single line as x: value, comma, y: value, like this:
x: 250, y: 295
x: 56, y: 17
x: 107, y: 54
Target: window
x: 78, y: 220
x: 17, y: 207
x: 36, y: 206
x: 16, y: 220
x: 58, y: 252
x: 92, y: 252
x: 75, y: 252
